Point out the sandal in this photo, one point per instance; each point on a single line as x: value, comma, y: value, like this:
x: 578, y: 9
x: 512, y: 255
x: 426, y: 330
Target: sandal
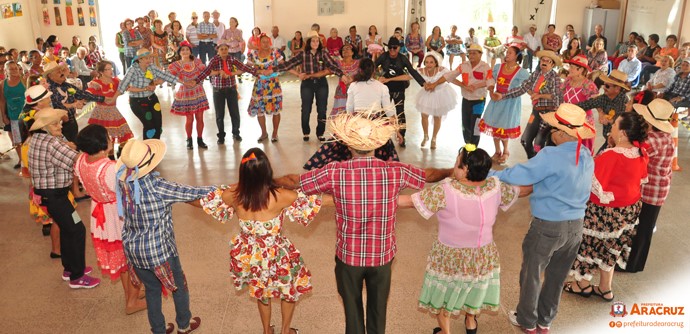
x: 262, y: 138
x: 295, y: 330
x: 274, y: 139
x: 437, y: 330
x: 433, y: 144
x: 426, y: 139
x: 568, y: 287
x: 473, y: 330
x: 597, y: 291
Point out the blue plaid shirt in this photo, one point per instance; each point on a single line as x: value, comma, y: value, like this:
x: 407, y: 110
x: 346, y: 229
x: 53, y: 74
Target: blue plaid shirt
x: 206, y: 28
x: 147, y: 235
x: 131, y: 51
x: 137, y: 78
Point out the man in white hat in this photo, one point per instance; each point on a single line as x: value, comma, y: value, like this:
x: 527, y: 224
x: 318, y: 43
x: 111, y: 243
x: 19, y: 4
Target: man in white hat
x: 561, y: 178
x: 145, y: 202
x: 68, y: 97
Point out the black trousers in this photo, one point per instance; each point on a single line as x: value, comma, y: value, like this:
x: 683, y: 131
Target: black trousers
x: 148, y: 111
x: 222, y: 97
x: 398, y: 99
x: 72, y: 230
x: 639, y: 250
x: 124, y: 63
x: 470, y: 120
x: 535, y: 134
x: 349, y: 280
x: 308, y: 90
x: 70, y: 130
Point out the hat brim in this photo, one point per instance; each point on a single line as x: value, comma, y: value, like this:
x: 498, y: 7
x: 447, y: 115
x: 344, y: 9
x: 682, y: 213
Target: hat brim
x: 361, y: 133
x: 551, y: 55
x: 158, y: 148
x: 47, y: 95
x: 664, y: 126
x: 606, y: 79
x: 143, y: 55
x: 39, y: 123
x: 584, y: 131
x: 51, y: 70
x: 586, y: 66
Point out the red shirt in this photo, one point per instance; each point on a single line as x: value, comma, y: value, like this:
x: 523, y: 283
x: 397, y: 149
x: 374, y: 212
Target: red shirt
x: 365, y: 192
x: 659, y: 168
x: 334, y: 45
x: 620, y: 172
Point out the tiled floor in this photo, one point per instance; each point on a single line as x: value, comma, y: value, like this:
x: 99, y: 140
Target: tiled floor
x: 35, y: 299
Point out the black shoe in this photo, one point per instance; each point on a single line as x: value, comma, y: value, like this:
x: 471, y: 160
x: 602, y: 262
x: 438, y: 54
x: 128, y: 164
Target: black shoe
x: 437, y: 330
x: 55, y: 256
x: 17, y: 165
x: 321, y: 138
x: 190, y: 146
x: 305, y: 137
x: 199, y: 142
x: 237, y: 138
x: 221, y: 141
x: 46, y: 229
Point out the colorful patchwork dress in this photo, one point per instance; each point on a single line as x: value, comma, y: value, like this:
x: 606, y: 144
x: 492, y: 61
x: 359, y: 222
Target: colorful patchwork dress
x: 188, y: 100
x: 267, y: 95
x: 502, y: 118
x: 108, y: 115
x: 340, y: 98
x: 261, y: 257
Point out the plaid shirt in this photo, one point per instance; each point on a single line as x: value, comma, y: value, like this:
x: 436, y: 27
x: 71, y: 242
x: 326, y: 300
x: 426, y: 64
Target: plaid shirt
x: 148, y: 236
x: 365, y: 192
x: 51, y: 162
x: 61, y: 95
x: 206, y: 28
x: 131, y: 51
x: 216, y: 64
x: 680, y: 87
x: 608, y: 106
x: 660, y: 153
x: 552, y: 85
x: 136, y: 77
x: 311, y: 63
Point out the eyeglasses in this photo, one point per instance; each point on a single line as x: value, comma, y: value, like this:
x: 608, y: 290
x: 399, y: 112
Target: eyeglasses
x: 546, y: 61
x: 394, y: 47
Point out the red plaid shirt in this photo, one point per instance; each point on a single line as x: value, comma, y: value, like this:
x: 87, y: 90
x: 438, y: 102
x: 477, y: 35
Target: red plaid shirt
x: 365, y: 191
x: 660, y: 153
x: 216, y: 64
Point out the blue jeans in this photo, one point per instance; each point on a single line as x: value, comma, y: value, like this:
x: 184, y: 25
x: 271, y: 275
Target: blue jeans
x: 153, y: 297
x: 206, y: 51
x: 527, y: 61
x: 309, y: 89
x: 195, y: 51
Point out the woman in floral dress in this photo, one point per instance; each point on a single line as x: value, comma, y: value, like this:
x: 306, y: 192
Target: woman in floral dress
x: 159, y: 42
x: 107, y: 115
x: 175, y: 38
x: 190, y: 102
x: 97, y: 173
x: 261, y: 258
x: 267, y: 95
x: 463, y: 269
x: 350, y: 67
x: 577, y: 88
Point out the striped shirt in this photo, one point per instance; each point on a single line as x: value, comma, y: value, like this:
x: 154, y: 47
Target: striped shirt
x: 136, y: 77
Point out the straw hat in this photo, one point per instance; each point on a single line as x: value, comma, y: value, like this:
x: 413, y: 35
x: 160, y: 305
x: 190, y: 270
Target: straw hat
x: 35, y: 94
x: 618, y: 78
x: 312, y: 33
x: 475, y: 47
x: 141, y: 53
x: 52, y: 66
x: 47, y: 116
x: 363, y: 131
x: 140, y: 157
x: 572, y: 120
x: 657, y: 113
x: 552, y: 55
x: 580, y: 60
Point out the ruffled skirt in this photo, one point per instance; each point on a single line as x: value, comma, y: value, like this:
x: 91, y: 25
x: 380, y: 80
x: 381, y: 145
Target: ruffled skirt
x: 437, y: 103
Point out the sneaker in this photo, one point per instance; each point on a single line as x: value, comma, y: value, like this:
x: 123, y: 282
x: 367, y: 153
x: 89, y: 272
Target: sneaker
x: 84, y: 282
x: 66, y: 274
x: 237, y: 138
x: 542, y: 330
x: 170, y: 328
x: 512, y: 317
x: 194, y: 323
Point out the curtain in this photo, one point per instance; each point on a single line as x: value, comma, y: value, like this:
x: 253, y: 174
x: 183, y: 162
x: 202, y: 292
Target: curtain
x: 416, y: 12
x: 528, y: 12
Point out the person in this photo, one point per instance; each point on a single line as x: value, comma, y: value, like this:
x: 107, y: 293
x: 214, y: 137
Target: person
x: 654, y: 193
x: 464, y: 238
x: 120, y: 43
x: 76, y: 43
x: 317, y: 28
x: 435, y: 41
x: 561, y: 179
x: 79, y: 66
x: 12, y: 100
x: 97, y: 173
x: 611, y: 104
x: 106, y: 114
x: 398, y: 33
x: 350, y: 66
x: 494, y: 47
x: 568, y: 35
x: 206, y: 32
x: 190, y: 102
x: 253, y: 42
x: 551, y: 40
x: 597, y: 57
x: 437, y: 102
x: 159, y: 41
x: 145, y: 28
x: 51, y: 164
x: 679, y: 91
x: 533, y: 45
x: 297, y: 44
x: 622, y: 49
x: 363, y: 93
x: 172, y: 16
x: 455, y: 46
x: 278, y: 43
x: 515, y: 40
x: 573, y: 50
x: 577, y: 88
x: 218, y: 26
x: 648, y: 57
x: 471, y: 38
x: 36, y: 67
x: 661, y: 81
x: 397, y: 72
x: 133, y: 40
x: 144, y: 201
x: 669, y: 50
x: 631, y: 65
x: 598, y: 33
x: 355, y: 40
x: 544, y: 88
x: 276, y: 268
x: 140, y: 81
x: 192, y: 34
x: 612, y: 209
x: 68, y: 97
x: 365, y: 191
x: 316, y: 63
x: 501, y: 119
x: 334, y: 43
x: 373, y: 44
x: 175, y: 39
x: 267, y: 94
x: 51, y: 49
x: 414, y: 42
x: 222, y: 69
x: 232, y: 37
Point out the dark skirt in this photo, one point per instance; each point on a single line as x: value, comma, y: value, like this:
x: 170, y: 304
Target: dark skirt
x: 337, y: 151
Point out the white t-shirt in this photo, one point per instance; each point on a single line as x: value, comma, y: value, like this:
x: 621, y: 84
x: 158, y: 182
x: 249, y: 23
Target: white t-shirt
x: 278, y: 42
x: 362, y: 95
x: 220, y: 29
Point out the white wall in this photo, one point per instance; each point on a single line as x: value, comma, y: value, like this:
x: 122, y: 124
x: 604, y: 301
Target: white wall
x: 17, y: 32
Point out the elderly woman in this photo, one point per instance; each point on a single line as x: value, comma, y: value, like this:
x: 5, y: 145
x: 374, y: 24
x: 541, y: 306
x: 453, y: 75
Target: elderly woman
x: 494, y: 47
x: 140, y: 81
x: 613, y: 208
x: 577, y: 88
x: 551, y: 40
x: 662, y: 79
x: 350, y: 66
x: 267, y: 95
x: 414, y: 42
x: 51, y: 164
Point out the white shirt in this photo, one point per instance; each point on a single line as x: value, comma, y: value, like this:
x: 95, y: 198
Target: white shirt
x: 79, y: 66
x: 220, y: 29
x: 471, y: 40
x: 192, y: 35
x: 663, y: 76
x: 630, y: 67
x: 473, y: 74
x: 278, y: 42
x: 362, y: 95
x: 532, y: 41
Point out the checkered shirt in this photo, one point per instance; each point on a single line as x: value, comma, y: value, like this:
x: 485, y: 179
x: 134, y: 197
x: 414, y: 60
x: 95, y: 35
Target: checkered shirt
x: 208, y: 29
x: 365, y: 192
x: 61, y: 95
x: 131, y: 51
x: 606, y: 104
x: 660, y: 153
x: 311, y: 63
x: 135, y: 77
x: 51, y: 162
x: 216, y: 64
x: 680, y: 87
x: 552, y: 85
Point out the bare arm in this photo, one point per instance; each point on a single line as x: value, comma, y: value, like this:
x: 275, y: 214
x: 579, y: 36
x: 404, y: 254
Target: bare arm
x: 436, y: 174
x: 405, y: 202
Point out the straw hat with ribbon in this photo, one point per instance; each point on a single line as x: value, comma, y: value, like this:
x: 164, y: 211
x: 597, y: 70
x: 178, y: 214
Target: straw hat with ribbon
x: 475, y: 47
x: 138, y: 158
x: 618, y: 78
x: 572, y: 120
x: 657, y: 113
x: 581, y: 61
x: 363, y: 130
x: 35, y: 94
x: 52, y: 66
x: 551, y: 55
x: 47, y: 116
x: 141, y: 53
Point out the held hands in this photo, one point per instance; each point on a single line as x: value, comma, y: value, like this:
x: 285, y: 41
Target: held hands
x: 497, y: 96
x: 110, y: 100
x: 304, y: 76
x: 429, y: 86
x: 189, y: 83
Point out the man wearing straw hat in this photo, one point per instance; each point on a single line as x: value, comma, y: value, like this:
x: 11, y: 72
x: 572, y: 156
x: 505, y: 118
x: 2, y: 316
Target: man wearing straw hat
x: 365, y: 190
x: 145, y: 200
x: 611, y: 103
x: 561, y: 178
x: 68, y: 97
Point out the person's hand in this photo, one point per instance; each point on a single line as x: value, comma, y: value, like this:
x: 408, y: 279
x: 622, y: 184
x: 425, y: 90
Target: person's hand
x: 303, y: 76
x: 346, y: 79
x: 78, y: 104
x: 497, y: 97
x: 535, y: 97
x: 190, y: 83
x: 399, y: 137
x: 470, y: 88
x: 383, y: 80
x: 71, y: 145
x: 158, y: 82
